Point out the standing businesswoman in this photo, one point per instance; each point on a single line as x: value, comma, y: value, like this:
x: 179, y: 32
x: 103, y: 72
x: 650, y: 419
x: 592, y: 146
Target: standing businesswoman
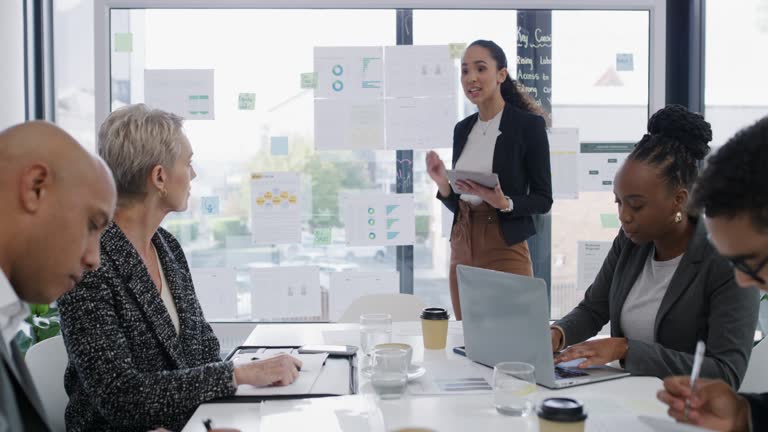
x: 663, y: 286
x: 507, y: 136
x: 141, y: 354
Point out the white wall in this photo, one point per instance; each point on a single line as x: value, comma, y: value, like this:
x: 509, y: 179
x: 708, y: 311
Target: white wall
x: 12, y: 69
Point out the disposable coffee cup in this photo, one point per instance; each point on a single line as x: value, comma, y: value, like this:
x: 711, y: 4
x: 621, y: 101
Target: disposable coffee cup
x: 434, y: 326
x: 561, y: 415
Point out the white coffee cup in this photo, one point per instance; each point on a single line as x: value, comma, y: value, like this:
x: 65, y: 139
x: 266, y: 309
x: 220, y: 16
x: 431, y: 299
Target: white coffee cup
x: 403, y: 346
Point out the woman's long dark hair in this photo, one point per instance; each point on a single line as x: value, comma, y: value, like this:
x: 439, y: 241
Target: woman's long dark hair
x: 511, y: 91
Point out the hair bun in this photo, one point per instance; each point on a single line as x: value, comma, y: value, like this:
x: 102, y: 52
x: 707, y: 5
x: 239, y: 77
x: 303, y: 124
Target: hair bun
x: 688, y: 128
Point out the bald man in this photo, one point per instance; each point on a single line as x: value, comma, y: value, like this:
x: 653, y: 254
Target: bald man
x: 56, y: 200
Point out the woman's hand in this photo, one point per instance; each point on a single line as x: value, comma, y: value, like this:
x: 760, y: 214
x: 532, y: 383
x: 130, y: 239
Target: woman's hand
x: 436, y: 171
x: 278, y: 370
x: 596, y: 352
x: 557, y: 338
x: 493, y: 196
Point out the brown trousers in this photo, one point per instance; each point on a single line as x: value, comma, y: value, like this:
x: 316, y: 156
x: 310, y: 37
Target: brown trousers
x: 477, y: 241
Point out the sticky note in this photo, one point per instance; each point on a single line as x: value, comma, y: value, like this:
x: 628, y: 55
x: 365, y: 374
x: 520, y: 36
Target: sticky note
x: 279, y: 145
x: 124, y: 42
x: 322, y: 236
x: 456, y: 49
x: 309, y: 80
x: 246, y: 101
x: 210, y: 205
x: 609, y: 220
x: 624, y: 62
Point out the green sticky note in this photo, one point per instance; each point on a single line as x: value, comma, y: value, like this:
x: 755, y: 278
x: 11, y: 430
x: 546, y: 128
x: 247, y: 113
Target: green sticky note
x: 309, y: 80
x: 609, y: 220
x: 124, y: 42
x: 322, y: 236
x: 456, y: 49
x: 246, y: 101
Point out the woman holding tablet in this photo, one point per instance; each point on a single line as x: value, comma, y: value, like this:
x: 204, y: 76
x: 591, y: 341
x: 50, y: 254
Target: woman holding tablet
x: 507, y: 136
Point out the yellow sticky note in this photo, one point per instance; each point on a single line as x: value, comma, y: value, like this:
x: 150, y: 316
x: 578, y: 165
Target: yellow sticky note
x: 456, y: 49
x: 124, y: 42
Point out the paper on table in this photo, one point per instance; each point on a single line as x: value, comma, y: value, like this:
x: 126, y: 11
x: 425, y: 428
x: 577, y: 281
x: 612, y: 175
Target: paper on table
x: 564, y: 159
x: 451, y: 378
x: 312, y: 366
x: 420, y: 123
x: 419, y: 70
x: 379, y: 219
x: 275, y: 208
x: 185, y: 92
x: 345, y: 287
x: 338, y: 414
x: 285, y: 292
x: 591, y: 255
x: 630, y: 423
x: 216, y: 289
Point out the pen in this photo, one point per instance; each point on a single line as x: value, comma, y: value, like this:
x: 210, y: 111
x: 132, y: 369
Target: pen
x: 698, y: 357
x: 207, y: 424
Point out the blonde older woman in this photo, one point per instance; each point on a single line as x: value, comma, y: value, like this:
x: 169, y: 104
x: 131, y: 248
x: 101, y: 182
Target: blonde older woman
x: 141, y: 354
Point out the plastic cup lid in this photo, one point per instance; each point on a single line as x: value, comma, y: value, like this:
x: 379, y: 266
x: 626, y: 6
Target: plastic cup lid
x: 434, y: 314
x: 561, y: 410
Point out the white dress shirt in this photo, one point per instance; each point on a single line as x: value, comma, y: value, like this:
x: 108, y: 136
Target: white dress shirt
x: 477, y: 154
x: 12, y: 311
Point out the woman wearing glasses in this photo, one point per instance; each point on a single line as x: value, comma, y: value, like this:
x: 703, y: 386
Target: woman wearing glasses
x: 663, y: 286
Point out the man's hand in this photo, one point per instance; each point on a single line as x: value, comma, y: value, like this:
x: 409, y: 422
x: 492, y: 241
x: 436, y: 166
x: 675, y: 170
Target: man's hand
x: 713, y: 404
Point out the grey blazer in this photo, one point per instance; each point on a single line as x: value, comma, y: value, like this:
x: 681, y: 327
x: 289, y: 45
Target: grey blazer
x: 702, y: 302
x: 128, y: 370
x: 20, y: 407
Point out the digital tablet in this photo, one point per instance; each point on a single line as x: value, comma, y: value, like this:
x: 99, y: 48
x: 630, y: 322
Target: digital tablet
x: 486, y: 179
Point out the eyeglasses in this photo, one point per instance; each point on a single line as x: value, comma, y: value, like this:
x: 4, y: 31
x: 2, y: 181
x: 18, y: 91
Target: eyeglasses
x: 754, y: 272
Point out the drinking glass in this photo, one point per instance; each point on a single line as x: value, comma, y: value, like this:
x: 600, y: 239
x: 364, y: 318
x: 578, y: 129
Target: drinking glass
x: 513, y: 383
x: 389, y: 372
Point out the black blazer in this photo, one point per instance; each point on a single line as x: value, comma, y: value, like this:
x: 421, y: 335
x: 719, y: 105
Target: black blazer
x: 128, y: 370
x: 20, y: 407
x: 702, y: 302
x: 758, y: 404
x: 521, y: 160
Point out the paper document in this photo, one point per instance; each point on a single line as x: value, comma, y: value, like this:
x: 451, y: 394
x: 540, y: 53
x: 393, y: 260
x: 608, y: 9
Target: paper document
x: 185, y: 92
x: 285, y: 292
x: 453, y: 377
x: 349, y: 72
x: 379, y: 219
x: 564, y: 160
x: 349, y: 124
x: 346, y: 287
x: 591, y: 255
x: 275, y: 208
x: 420, y: 123
x: 419, y: 70
x: 312, y: 366
x: 216, y: 289
x: 598, y: 164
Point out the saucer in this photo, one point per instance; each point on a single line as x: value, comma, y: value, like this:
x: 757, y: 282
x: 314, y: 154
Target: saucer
x: 414, y: 372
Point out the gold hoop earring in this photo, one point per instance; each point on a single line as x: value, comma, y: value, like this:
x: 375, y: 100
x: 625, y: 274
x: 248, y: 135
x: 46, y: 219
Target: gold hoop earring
x: 678, y: 217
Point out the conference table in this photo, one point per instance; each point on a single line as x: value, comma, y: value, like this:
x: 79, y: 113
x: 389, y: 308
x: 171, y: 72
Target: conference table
x: 611, y: 405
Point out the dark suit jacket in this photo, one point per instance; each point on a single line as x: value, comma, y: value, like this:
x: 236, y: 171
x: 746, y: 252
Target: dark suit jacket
x: 758, y: 404
x: 20, y: 407
x: 702, y: 302
x: 128, y: 370
x: 521, y: 160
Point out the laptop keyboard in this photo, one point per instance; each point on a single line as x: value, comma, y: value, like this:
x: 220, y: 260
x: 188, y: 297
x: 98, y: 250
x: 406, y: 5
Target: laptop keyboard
x: 561, y: 372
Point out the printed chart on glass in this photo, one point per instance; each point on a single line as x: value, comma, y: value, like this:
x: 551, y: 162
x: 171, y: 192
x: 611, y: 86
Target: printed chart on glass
x: 185, y: 92
x: 564, y: 160
x: 378, y: 218
x: 395, y: 97
x: 598, y: 164
x: 275, y: 208
x: 216, y: 289
x: 349, y: 285
x: 285, y: 292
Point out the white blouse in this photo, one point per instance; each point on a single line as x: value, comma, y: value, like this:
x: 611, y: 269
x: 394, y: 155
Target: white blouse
x: 477, y: 154
x: 165, y: 295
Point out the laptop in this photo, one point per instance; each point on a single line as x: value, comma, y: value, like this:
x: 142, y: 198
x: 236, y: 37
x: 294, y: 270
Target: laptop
x: 506, y: 318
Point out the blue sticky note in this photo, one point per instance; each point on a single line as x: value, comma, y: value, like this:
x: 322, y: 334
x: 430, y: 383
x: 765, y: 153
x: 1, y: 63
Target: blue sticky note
x: 279, y: 145
x: 210, y: 205
x: 624, y: 62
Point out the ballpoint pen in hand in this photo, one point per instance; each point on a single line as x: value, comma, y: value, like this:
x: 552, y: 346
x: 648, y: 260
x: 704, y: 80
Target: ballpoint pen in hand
x: 698, y: 358
x: 207, y: 424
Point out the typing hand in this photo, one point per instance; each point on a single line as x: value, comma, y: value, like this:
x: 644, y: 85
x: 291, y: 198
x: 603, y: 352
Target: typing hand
x: 596, y: 352
x: 556, y: 338
x: 279, y: 370
x: 493, y: 196
x: 714, y: 404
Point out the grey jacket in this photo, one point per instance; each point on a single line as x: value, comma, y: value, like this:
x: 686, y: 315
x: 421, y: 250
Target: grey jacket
x: 128, y: 370
x: 20, y: 407
x: 702, y: 302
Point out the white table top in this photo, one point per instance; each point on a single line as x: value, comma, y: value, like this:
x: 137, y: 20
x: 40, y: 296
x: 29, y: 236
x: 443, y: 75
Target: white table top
x: 617, y: 402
